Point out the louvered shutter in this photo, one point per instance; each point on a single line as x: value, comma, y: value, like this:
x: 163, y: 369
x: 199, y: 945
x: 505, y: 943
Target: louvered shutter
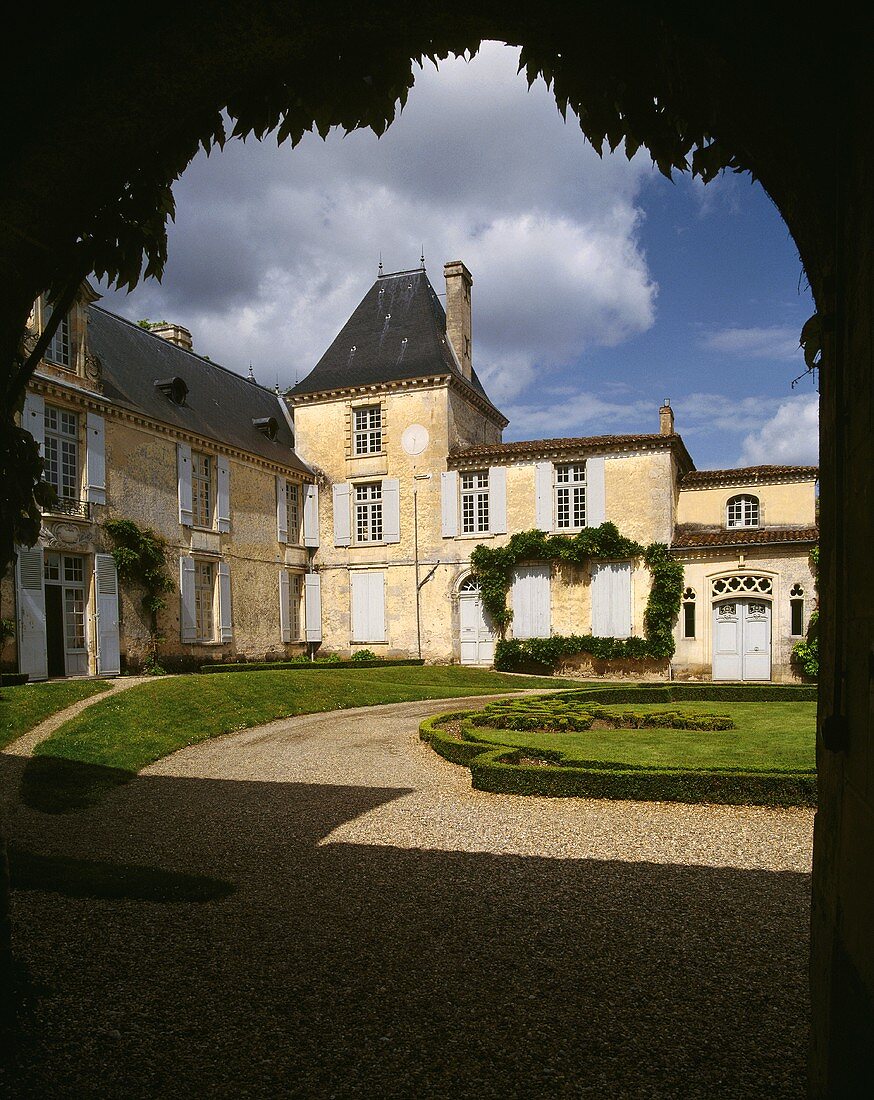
x: 33, y: 419
x: 391, y: 510
x: 543, y: 496
x: 188, y: 626
x: 284, y: 606
x: 368, y: 606
x: 95, y: 458
x: 311, y: 515
x: 611, y: 600
x: 498, y: 500
x: 342, y: 514
x: 449, y: 503
x: 32, y: 655
x: 313, y: 606
x: 281, y: 510
x: 531, y: 597
x: 183, y: 472
x: 226, y: 622
x: 106, y: 589
x: 223, y: 496
x: 596, y: 501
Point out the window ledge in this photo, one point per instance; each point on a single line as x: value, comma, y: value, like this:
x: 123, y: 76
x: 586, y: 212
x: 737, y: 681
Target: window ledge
x: 365, y: 641
x: 482, y: 535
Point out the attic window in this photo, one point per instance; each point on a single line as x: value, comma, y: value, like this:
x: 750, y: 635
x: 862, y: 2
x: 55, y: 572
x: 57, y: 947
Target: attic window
x: 173, y: 388
x: 266, y: 425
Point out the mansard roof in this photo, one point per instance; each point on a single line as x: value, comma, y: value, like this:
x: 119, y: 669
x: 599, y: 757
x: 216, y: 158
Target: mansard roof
x: 689, y: 536
x: 748, y: 475
x: 590, y: 444
x: 219, y: 405
x: 396, y: 333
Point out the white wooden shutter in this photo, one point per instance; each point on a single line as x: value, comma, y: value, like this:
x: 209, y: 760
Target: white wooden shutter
x: 311, y: 515
x: 391, y: 510
x: 342, y: 493
x: 543, y: 496
x: 449, y: 503
x: 596, y: 501
x: 95, y: 458
x: 33, y: 419
x: 531, y: 617
x: 183, y: 473
x: 284, y: 606
x: 498, y: 500
x: 368, y: 606
x: 313, y: 606
x: 32, y: 655
x: 188, y: 627
x: 106, y: 591
x: 226, y: 622
x: 611, y: 600
x: 281, y: 510
x: 223, y: 501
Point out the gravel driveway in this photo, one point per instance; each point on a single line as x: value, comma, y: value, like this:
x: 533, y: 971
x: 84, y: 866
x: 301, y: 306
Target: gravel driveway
x: 323, y: 907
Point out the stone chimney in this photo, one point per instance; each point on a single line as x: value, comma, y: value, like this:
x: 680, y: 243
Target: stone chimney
x: 458, y: 322
x: 174, y: 334
x: 666, y: 418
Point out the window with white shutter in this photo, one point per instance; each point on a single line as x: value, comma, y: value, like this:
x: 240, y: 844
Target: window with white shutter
x: 530, y: 599
x: 611, y: 600
x: 368, y: 606
x: 95, y: 458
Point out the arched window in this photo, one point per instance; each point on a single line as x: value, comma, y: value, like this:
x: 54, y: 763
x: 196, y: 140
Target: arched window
x: 469, y: 584
x: 743, y: 511
x: 689, y: 613
x: 796, y: 609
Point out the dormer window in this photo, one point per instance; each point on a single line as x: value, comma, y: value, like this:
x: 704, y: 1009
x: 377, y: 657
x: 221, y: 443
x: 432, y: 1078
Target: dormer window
x: 266, y: 425
x: 174, y: 389
x: 58, y: 351
x: 743, y: 511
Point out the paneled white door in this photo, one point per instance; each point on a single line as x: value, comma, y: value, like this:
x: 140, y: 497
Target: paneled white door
x: 477, y: 638
x: 742, y: 640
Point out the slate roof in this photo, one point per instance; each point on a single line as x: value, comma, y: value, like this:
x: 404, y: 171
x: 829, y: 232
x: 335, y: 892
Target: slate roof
x: 748, y: 475
x: 529, y: 448
x: 220, y: 405
x: 689, y: 536
x: 396, y: 333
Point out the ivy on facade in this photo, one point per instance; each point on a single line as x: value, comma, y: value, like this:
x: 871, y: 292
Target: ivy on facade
x: 493, y: 568
x: 805, y: 654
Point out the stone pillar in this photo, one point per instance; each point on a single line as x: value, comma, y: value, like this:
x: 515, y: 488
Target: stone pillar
x: 666, y: 418
x: 458, y: 317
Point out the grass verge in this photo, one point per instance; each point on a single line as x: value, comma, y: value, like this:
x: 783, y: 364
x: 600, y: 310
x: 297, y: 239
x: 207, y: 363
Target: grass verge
x: 111, y: 741
x: 768, y: 759
x: 25, y: 706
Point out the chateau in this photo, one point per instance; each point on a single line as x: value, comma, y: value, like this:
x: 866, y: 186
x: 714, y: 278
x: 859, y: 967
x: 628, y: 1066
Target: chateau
x: 342, y: 515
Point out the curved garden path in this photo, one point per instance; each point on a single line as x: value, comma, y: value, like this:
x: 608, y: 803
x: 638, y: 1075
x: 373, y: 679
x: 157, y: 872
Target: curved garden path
x: 323, y: 907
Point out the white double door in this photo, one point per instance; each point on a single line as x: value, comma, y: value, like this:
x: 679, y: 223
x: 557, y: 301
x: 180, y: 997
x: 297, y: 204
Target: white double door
x: 477, y: 636
x: 742, y: 640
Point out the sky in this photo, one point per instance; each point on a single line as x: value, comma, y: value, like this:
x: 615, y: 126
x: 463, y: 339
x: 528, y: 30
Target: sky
x: 600, y: 287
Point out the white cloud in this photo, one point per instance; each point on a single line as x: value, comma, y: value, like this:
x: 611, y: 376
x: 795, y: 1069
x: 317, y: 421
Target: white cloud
x: 789, y: 437
x: 273, y: 248
x: 768, y: 342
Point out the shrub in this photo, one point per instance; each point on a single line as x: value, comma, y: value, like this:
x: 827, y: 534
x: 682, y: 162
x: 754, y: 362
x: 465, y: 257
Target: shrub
x: 364, y: 655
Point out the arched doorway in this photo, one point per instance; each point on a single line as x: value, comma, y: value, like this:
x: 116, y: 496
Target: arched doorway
x: 741, y: 627
x: 476, y: 636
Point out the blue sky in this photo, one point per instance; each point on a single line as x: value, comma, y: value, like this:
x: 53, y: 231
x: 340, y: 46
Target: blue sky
x: 600, y: 288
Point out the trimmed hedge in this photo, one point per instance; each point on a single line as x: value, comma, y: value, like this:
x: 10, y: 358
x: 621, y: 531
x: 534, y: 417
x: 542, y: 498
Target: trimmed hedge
x: 309, y: 666
x: 13, y: 679
x: 551, y: 715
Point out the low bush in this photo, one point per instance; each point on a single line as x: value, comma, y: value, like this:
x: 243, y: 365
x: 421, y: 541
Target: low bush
x: 559, y: 715
x: 298, y: 665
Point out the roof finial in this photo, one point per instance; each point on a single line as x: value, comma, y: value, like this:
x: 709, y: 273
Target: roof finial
x: 251, y: 377
x: 380, y: 261
x: 422, y: 258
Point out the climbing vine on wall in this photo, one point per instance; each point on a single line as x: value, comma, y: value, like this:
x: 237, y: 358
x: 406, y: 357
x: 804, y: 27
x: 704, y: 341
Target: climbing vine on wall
x: 140, y: 557
x: 805, y: 654
x: 493, y: 568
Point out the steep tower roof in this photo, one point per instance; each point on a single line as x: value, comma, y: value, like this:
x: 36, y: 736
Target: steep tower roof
x: 397, y: 332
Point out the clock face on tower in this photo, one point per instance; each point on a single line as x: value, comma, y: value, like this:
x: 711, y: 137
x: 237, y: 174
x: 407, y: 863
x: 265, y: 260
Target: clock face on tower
x: 415, y: 439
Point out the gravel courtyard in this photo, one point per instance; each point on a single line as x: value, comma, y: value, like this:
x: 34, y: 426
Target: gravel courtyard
x: 323, y: 907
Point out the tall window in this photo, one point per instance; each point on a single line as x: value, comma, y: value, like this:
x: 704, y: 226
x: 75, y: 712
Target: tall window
x: 743, y: 511
x: 202, y: 494
x: 475, y: 503
x: 689, y: 613
x: 796, y: 609
x: 204, y: 597
x: 292, y: 502
x: 61, y: 452
x: 368, y: 512
x: 58, y: 350
x: 295, y: 588
x: 570, y: 495
x: 368, y: 430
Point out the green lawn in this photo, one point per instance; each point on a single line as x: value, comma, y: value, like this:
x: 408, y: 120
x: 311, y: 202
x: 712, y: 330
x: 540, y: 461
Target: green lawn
x: 769, y: 736
x: 26, y: 705
x: 115, y: 738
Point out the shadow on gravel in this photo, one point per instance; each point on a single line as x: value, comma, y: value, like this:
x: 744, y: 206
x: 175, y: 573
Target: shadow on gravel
x: 349, y: 970
x: 53, y: 785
